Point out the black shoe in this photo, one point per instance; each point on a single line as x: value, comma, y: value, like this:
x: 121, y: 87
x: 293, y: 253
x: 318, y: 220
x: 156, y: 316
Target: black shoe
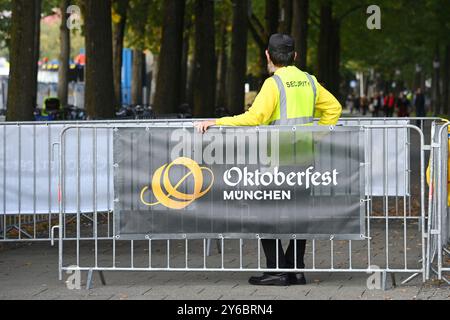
x: 297, y: 279
x: 279, y: 279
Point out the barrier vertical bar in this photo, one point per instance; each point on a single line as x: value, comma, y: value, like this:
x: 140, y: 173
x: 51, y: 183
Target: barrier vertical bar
x: 95, y: 194
x: 5, y: 236
x: 259, y: 252
x: 150, y: 253
x: 108, y: 180
x: 132, y: 253
x: 49, y: 190
x: 20, y: 180
x: 405, y: 238
x: 78, y: 194
x: 186, y: 261
x: 61, y: 191
x: 369, y: 191
x: 386, y: 192
x: 34, y: 182
x: 422, y: 198
x: 168, y: 254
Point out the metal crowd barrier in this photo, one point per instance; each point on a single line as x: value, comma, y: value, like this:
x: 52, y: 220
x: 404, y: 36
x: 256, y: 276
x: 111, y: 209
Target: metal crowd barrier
x: 28, y: 176
x: 403, y: 235
x: 438, y: 248
x: 395, y: 221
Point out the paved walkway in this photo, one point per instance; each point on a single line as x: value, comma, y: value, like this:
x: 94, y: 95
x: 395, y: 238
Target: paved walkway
x: 30, y: 272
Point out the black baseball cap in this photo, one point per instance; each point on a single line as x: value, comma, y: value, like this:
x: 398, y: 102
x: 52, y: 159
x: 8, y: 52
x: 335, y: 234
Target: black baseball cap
x: 281, y: 43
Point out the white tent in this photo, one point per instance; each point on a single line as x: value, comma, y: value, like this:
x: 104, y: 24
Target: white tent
x: 4, y: 67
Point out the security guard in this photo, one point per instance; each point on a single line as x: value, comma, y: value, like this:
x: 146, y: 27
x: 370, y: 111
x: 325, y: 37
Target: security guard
x: 289, y: 97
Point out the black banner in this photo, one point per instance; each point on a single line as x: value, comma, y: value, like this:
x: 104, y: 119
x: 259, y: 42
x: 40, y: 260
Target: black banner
x: 270, y: 182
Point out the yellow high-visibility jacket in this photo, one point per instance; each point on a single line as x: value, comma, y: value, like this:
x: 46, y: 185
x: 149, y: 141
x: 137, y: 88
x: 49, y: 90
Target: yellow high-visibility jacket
x: 448, y: 174
x: 267, y: 103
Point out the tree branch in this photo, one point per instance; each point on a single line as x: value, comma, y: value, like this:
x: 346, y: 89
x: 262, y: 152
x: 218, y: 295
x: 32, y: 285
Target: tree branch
x: 259, y: 25
x: 258, y: 39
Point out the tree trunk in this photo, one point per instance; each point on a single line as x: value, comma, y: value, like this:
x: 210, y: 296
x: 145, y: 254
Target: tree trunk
x: 328, y: 43
x: 335, y: 54
x: 205, y: 59
x: 121, y: 9
x: 287, y: 16
x: 99, y: 92
x: 137, y: 77
x: 238, y: 63
x: 185, y: 62
x: 300, y: 31
x: 446, y: 81
x: 223, y: 68
x: 168, y: 85
x: 37, y: 46
x: 272, y: 16
x: 64, y: 56
x: 22, y: 80
x: 436, y: 83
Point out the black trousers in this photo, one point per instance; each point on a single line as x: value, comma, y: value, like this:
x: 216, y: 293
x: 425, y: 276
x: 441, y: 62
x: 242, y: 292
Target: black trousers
x: 285, y: 259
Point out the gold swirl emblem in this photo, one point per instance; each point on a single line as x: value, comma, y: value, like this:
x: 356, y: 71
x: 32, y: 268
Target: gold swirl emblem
x: 172, y: 198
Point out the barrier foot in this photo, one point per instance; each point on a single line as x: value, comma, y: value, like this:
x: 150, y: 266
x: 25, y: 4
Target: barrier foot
x: 89, y: 279
x: 393, y: 279
x: 102, y: 278
x: 410, y: 278
x: 219, y: 246
x: 208, y: 247
x: 20, y: 230
x: 384, y: 278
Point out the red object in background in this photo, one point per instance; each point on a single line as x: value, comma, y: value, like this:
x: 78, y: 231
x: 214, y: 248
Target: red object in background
x: 389, y: 101
x: 80, y: 59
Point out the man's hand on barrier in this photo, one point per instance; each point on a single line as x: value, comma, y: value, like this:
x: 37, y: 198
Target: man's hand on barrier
x: 203, y: 126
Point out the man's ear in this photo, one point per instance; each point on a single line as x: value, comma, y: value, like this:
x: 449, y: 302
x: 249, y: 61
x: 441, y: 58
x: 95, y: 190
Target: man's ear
x: 268, y: 56
x: 295, y: 56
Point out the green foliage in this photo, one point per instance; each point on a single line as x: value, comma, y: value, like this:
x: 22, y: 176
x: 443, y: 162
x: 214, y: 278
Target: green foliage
x: 5, y: 24
x: 409, y: 34
x: 144, y: 25
x: 50, y: 41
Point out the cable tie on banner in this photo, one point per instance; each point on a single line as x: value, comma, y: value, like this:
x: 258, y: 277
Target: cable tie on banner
x: 366, y: 237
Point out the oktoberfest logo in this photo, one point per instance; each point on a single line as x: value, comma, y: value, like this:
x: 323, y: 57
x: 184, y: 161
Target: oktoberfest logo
x: 168, y: 194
